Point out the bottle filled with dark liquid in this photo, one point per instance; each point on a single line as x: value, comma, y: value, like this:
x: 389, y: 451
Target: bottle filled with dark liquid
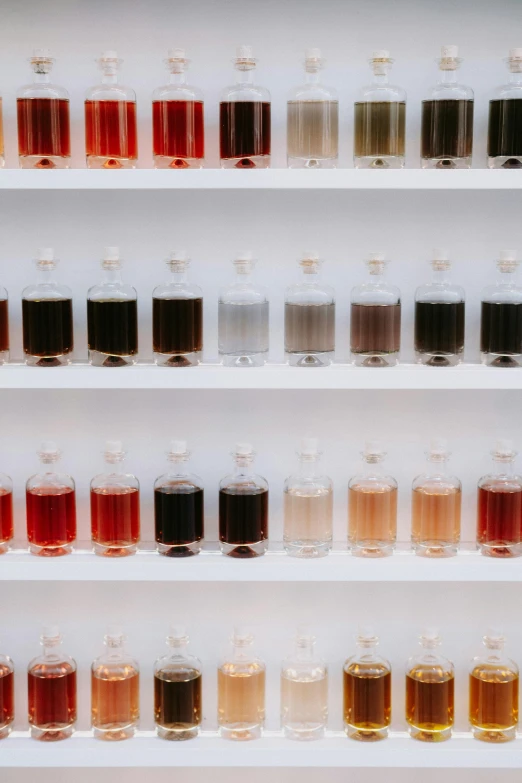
x: 439, y: 317
x: 6, y: 513
x: 47, y: 317
x: 243, y: 508
x: 7, y: 712
x: 244, y: 118
x: 44, y: 138
x: 112, y: 317
x: 430, y: 692
x: 375, y: 330
x: 4, y: 326
x: 115, y: 690
x: 499, y: 506
x: 367, y: 691
x: 501, y: 316
x: 493, y: 692
x: 51, y: 679
x: 178, y: 132
x: 178, y: 709
x: 505, y: 118
x: 447, y: 118
x: 111, y: 134
x: 177, y: 317
x: 178, y: 506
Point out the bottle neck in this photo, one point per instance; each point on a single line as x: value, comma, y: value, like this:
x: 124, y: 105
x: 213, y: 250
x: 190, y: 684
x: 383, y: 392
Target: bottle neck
x: 437, y: 463
x: 111, y: 275
x: 114, y: 649
x: 52, y: 649
x: 42, y: 78
x: 178, y: 275
x: 380, y: 78
x: 448, y: 77
x: 245, y: 76
x: 178, y: 465
x: 242, y: 651
x: 243, y: 466
x: 45, y: 275
x: 308, y: 465
x: 441, y: 276
x: 504, y: 466
x: 178, y: 77
x: 366, y: 649
x: 515, y: 78
x: 312, y: 77
x: 114, y: 467
x: 304, y: 649
x: 109, y: 77
x: 177, y: 648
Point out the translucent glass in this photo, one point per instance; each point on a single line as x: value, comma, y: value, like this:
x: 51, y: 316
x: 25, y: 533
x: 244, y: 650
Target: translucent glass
x: 241, y: 690
x: 430, y: 692
x: 115, y: 691
x: 6, y: 514
x: 304, y: 690
x: 7, y: 711
x: 4, y: 326
x: 2, y: 158
x: 178, y: 706
x: 499, y: 506
x: 372, y: 507
x: 115, y: 507
x: 367, y: 691
x: 243, y: 508
x: 501, y: 316
x: 51, y: 681
x: 505, y: 119
x: 493, y: 692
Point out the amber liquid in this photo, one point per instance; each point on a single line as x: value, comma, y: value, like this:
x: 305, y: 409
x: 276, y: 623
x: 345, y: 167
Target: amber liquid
x: 178, y: 517
x: 367, y: 700
x: 112, y: 327
x: 115, y: 701
x: 372, y: 516
x: 52, y: 699
x: 177, y: 326
x: 243, y: 519
x: 439, y: 328
x: 505, y: 130
x: 380, y: 129
x: 4, y: 325
x: 493, y: 702
x: 47, y: 327
x: 309, y: 328
x: 178, y: 130
x: 51, y: 519
x: 110, y: 131
x: 43, y: 128
x: 430, y: 702
x: 115, y: 519
x: 501, y: 328
x: 499, y: 520
x: 6, y: 517
x: 375, y: 329
x: 244, y: 130
x: 447, y: 129
x: 241, y: 699
x: 435, y: 519
x: 6, y: 699
x: 177, y: 702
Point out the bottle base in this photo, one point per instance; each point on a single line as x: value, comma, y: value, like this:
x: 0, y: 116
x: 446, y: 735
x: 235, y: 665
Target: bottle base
x: 5, y: 731
x: 379, y: 162
x: 494, y: 735
x: 434, y: 359
x: 104, y: 162
x: 240, y: 732
x: 244, y: 360
x: 4, y: 357
x: 167, y: 162
x: 48, y: 361
x: 246, y: 162
x: 375, y: 359
x: 304, y: 732
x: 429, y: 735
x: 244, y: 551
x: 310, y: 549
x: 115, y: 549
x: 372, y: 549
x: 44, y: 162
x: 179, y: 550
x: 446, y: 163
x: 51, y: 733
x: 501, y: 359
x: 501, y: 549
x: 178, y: 359
x: 99, y: 359
x: 50, y: 551
x: 5, y: 546
x: 365, y: 735
x: 311, y: 163
x: 435, y: 549
x: 114, y: 733
x: 505, y: 162
x: 177, y: 735
x: 2, y: 161
x: 310, y: 359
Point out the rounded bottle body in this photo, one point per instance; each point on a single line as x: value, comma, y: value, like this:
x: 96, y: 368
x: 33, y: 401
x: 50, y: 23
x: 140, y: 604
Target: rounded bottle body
x: 367, y: 694
x: 430, y: 695
x: 436, y: 507
x: 243, y: 315
x: 241, y: 692
x: 501, y: 317
x: 178, y: 705
x: 51, y: 679
x: 6, y: 513
x: 309, y: 320
x: 115, y: 514
x: 372, y: 508
x: 304, y: 691
x: 115, y: 692
x: 375, y: 320
x: 4, y: 322
x: 439, y: 320
x: 493, y: 693
x: 7, y: 706
x: 112, y: 325
x: 505, y: 119
x: 51, y: 514
x: 177, y: 319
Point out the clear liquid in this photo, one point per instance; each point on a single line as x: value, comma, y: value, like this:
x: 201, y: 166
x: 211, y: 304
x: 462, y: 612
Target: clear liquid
x: 243, y: 330
x: 304, y: 703
x: 308, y: 521
x: 312, y: 132
x: 241, y: 700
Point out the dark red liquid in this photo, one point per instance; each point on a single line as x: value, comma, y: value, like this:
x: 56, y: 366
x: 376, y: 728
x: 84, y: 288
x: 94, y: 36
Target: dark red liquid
x: 244, y: 129
x: 51, y: 516
x: 178, y: 515
x: 43, y: 127
x: 243, y: 518
x: 47, y: 326
x: 52, y: 696
x: 6, y: 515
x: 178, y: 130
x: 4, y: 325
x: 6, y: 696
x: 110, y: 129
x: 177, y: 325
x: 115, y: 516
x: 499, y: 517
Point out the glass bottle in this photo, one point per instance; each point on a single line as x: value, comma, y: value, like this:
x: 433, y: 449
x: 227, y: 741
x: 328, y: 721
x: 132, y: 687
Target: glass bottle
x: 178, y: 506
x: 493, y: 692
x: 244, y: 118
x: 312, y: 120
x: 304, y: 690
x: 430, y: 689
x: 447, y: 118
x: 505, y: 118
x: 112, y: 316
x: 367, y: 690
x: 4, y: 325
x: 177, y: 317
x: 375, y: 330
x: 44, y: 136
x: 115, y: 506
x: 178, y: 704
x: 2, y: 158
x: 501, y: 316
x: 7, y: 712
x: 435, y: 506
x: 499, y: 506
x: 439, y: 317
x: 47, y: 316
x: 372, y: 507
x: 178, y: 131
x: 241, y: 690
x: 111, y: 135
x: 380, y: 119
x: 243, y: 318
x: 308, y: 506
x: 51, y: 679
x: 310, y: 317
x: 115, y: 690
x: 243, y: 508
x: 6, y: 513
x: 51, y: 507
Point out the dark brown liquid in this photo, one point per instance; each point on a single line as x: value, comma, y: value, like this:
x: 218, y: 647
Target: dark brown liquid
x: 375, y: 328
x: 52, y: 696
x: 4, y: 325
x: 244, y: 129
x: 177, y: 698
x: 505, y: 130
x: 43, y: 128
x: 178, y: 516
x: 439, y: 327
x: 112, y: 326
x: 501, y: 328
x: 367, y: 696
x: 380, y: 129
x: 430, y: 699
x: 177, y: 325
x: 243, y: 518
x: 47, y: 327
x: 309, y: 327
x: 499, y: 517
x: 447, y: 129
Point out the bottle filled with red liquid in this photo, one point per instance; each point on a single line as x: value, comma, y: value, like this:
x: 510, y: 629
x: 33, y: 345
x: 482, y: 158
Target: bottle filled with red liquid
x: 499, y: 509
x: 44, y: 136
x: 51, y: 680
x: 6, y: 513
x: 115, y: 506
x: 51, y: 507
x: 4, y: 326
x: 6, y: 696
x: 111, y: 135
x: 178, y: 135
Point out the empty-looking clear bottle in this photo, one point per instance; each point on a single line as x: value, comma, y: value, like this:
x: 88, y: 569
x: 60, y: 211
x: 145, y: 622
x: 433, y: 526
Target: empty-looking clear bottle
x: 304, y: 690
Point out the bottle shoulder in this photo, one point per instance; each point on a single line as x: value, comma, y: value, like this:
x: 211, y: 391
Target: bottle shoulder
x: 112, y: 291
x: 313, y: 92
x: 177, y: 92
x: 59, y: 664
x: 440, y: 292
x: 243, y: 293
x: 44, y: 90
x: 177, y: 291
x: 50, y: 480
x: 437, y: 483
x: 108, y: 667
x: 318, y: 485
x: 385, y: 93
x: 367, y: 664
x: 251, y: 484
x: 295, y: 668
x: 3, y: 293
x: 6, y: 665
x: 502, y: 293
x: 506, y: 92
x: 112, y: 482
x: 366, y: 482
x: 423, y: 664
x: 496, y: 667
x: 179, y: 482
x: 247, y: 664
x: 495, y: 482
x: 375, y: 293
x: 177, y: 663
x: 443, y: 91
x: 6, y: 484
x: 244, y: 92
x: 310, y: 293
x: 110, y: 92
x: 39, y: 291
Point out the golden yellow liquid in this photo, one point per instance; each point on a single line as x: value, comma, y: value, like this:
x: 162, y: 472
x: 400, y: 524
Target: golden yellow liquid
x: 367, y: 700
x: 493, y: 702
x: 430, y: 702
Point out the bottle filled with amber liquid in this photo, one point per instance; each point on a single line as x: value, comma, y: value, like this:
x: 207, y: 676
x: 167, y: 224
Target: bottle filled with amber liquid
x: 177, y: 316
x: 308, y: 506
x: 439, y: 317
x: 310, y: 317
x: 304, y: 690
x: 367, y: 690
x: 50, y: 507
x: 499, y: 506
x: 241, y: 690
x: 112, y: 316
x: 4, y: 326
x: 372, y: 506
x: 111, y: 134
x: 243, y: 508
x: 430, y: 691
x: 44, y: 136
x: 178, y: 705
x: 115, y: 506
x: 115, y: 690
x: 7, y: 712
x: 312, y: 124
x: 47, y: 316
x: 493, y: 692
x: 178, y: 506
x: 501, y: 316
x: 447, y: 118
x: 51, y: 681
x: 505, y: 118
x: 375, y: 329
x: 380, y: 119
x: 6, y: 514
x: 436, y: 506
x: 178, y: 131
x: 244, y: 118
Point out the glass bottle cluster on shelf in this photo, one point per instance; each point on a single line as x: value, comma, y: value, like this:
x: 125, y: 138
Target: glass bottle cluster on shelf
x: 179, y: 509
x: 111, y: 134
x: 243, y: 317
x: 493, y: 689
